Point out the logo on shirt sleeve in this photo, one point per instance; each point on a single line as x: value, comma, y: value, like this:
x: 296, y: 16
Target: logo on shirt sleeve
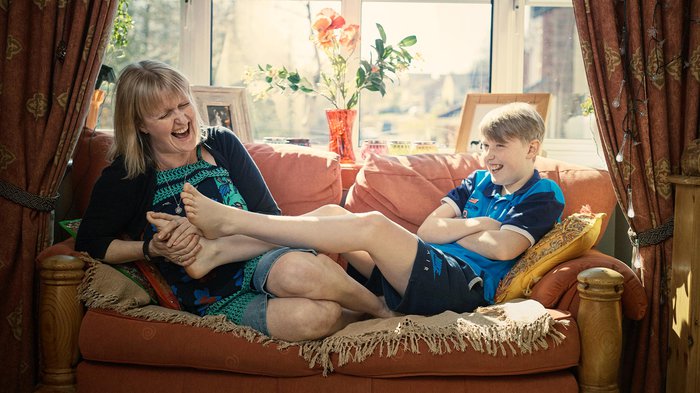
x: 472, y: 204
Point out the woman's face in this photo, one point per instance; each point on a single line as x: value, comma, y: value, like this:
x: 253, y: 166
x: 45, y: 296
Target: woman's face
x: 172, y: 129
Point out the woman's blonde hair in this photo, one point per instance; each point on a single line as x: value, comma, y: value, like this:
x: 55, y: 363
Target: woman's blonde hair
x: 140, y: 91
x: 518, y: 120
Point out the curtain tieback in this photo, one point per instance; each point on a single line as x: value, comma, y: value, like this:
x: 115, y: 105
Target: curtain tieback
x: 652, y: 236
x: 17, y: 195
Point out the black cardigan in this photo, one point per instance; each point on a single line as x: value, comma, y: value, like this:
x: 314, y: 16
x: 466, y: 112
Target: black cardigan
x: 118, y: 206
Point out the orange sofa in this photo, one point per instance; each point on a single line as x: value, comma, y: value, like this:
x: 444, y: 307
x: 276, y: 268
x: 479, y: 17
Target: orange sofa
x: 105, y: 351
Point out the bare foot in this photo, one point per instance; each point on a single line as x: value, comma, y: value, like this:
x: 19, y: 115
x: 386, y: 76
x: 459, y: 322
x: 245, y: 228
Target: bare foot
x: 172, y: 228
x: 158, y: 221
x: 212, y: 218
x: 207, y: 259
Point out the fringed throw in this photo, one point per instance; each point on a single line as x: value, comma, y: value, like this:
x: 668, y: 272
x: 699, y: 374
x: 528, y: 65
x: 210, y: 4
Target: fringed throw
x: 512, y: 328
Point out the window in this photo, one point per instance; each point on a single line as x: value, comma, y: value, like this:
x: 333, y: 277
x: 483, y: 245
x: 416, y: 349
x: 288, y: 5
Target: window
x: 155, y: 22
x: 553, y: 63
x: 466, y: 46
x: 251, y: 32
x: 454, y: 44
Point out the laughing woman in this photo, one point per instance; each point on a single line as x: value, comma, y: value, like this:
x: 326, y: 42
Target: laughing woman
x: 159, y: 145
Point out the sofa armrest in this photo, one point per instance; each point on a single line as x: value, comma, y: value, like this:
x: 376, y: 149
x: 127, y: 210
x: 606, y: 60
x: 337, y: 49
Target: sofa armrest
x: 60, y: 314
x: 558, y: 288
x: 600, y: 327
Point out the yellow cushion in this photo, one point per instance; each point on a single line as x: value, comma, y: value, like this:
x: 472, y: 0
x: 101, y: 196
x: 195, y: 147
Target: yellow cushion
x: 567, y: 240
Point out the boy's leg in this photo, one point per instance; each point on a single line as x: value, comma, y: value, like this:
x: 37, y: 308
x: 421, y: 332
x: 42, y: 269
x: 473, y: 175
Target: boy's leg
x: 360, y: 260
x: 391, y: 247
x: 228, y: 249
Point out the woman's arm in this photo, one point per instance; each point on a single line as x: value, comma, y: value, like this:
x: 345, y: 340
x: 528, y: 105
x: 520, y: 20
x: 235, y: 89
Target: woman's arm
x: 444, y: 226
x: 115, y: 210
x: 230, y: 153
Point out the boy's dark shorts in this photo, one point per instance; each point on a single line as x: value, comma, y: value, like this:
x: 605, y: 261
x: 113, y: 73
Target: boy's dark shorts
x: 438, y: 283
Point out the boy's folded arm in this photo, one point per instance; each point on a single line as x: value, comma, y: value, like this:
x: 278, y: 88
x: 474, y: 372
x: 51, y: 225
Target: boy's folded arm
x: 443, y: 226
x: 501, y: 245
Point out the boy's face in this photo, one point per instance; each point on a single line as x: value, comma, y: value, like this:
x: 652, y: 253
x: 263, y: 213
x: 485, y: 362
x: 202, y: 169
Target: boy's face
x: 510, y: 163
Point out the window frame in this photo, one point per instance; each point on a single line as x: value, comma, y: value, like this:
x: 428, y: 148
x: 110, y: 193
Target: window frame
x: 507, y: 49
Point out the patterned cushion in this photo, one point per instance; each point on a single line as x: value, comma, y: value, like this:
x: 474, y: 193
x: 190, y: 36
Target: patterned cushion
x: 165, y: 295
x: 146, y: 276
x: 567, y: 240
x: 134, y: 274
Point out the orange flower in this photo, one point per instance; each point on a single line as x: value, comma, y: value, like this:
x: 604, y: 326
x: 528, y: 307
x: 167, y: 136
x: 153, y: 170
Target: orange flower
x: 350, y: 36
x: 321, y: 23
x: 327, y: 19
x: 326, y: 38
x: 338, y: 41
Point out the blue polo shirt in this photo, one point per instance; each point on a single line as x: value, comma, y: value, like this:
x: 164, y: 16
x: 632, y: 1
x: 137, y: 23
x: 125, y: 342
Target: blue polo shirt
x: 531, y: 211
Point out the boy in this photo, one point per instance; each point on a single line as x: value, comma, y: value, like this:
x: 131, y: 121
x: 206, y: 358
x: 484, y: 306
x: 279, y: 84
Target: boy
x: 463, y: 248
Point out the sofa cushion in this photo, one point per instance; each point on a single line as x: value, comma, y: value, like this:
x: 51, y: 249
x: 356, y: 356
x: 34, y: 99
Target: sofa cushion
x: 300, y: 178
x: 518, y: 332
x: 567, y: 240
x: 118, y: 378
x: 106, y: 336
x: 407, y: 188
x: 582, y: 186
x: 163, y: 291
x: 134, y: 274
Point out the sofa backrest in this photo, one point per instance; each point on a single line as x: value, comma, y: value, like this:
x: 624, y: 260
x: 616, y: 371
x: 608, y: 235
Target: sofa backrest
x: 407, y: 188
x: 300, y: 178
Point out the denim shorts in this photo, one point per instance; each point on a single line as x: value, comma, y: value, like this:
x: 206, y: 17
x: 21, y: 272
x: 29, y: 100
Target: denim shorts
x: 255, y: 314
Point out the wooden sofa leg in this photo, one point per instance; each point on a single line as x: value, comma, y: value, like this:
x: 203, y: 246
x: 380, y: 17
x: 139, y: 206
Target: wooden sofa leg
x: 60, y: 313
x: 600, y: 325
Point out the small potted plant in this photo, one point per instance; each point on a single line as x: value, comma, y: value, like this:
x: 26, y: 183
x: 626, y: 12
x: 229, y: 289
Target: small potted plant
x: 338, y: 40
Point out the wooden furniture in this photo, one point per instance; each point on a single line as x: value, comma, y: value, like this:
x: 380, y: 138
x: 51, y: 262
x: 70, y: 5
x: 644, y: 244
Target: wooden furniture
x: 60, y: 316
x: 683, y: 374
x: 121, y: 353
x: 599, y: 320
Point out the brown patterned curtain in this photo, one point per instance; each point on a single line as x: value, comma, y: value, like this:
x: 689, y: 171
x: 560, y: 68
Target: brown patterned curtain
x: 51, y: 55
x: 642, y: 61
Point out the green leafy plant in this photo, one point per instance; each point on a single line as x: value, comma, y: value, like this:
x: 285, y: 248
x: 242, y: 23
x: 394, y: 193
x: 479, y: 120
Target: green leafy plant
x: 338, y: 41
x: 122, y: 24
x: 587, y: 106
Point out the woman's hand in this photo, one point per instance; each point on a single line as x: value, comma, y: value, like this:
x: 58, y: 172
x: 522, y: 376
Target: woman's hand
x: 173, y: 229
x: 177, y: 239
x: 183, y: 253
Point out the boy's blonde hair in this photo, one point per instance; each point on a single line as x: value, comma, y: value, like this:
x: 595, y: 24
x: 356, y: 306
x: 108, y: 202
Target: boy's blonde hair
x: 141, y: 89
x: 518, y: 120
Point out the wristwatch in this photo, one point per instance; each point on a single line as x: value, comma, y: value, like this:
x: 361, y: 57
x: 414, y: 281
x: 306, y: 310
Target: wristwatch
x: 146, y: 255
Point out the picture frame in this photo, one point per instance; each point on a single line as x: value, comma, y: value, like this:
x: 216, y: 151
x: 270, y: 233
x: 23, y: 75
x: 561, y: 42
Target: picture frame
x: 225, y: 106
x: 477, y: 105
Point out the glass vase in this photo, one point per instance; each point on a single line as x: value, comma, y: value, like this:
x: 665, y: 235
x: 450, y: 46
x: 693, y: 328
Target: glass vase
x: 340, y: 123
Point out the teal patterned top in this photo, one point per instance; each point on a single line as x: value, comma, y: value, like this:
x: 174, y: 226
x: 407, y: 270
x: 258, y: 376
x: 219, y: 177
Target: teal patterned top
x: 229, y: 282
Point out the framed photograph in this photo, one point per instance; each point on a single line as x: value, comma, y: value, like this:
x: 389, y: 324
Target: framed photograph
x: 477, y: 105
x: 224, y: 106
